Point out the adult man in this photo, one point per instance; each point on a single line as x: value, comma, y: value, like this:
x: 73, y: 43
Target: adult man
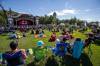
x: 15, y: 57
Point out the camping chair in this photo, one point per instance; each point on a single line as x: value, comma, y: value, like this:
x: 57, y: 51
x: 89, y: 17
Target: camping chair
x: 88, y: 43
x: 77, y: 49
x: 60, y: 51
x: 14, y: 59
x: 39, y: 54
x: 0, y: 58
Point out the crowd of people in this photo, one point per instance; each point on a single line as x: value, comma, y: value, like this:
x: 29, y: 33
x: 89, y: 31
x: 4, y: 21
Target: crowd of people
x: 65, y: 44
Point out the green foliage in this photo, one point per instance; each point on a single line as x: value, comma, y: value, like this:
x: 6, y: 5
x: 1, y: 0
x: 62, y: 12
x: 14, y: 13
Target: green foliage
x: 2, y: 21
x: 2, y: 18
x: 47, y: 19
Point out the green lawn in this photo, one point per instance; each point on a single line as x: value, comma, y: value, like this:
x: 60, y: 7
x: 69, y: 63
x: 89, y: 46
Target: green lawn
x: 30, y: 41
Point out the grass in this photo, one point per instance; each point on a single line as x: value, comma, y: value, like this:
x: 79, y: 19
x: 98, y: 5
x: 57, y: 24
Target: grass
x: 30, y: 41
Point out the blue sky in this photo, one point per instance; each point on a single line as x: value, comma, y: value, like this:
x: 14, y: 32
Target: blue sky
x: 65, y: 9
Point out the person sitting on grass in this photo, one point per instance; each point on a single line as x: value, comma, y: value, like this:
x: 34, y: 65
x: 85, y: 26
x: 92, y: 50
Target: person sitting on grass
x: 41, y: 33
x: 67, y: 35
x: 37, y: 31
x: 89, y: 40
x: 53, y: 37
x: 32, y: 31
x: 15, y: 57
x: 64, y: 32
x: 39, y: 52
x: 13, y: 35
x: 24, y: 34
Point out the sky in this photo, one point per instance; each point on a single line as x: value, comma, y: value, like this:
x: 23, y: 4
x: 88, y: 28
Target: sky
x: 82, y: 9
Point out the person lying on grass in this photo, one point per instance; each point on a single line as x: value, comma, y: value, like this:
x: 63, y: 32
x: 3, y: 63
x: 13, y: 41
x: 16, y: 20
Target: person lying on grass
x: 14, y: 57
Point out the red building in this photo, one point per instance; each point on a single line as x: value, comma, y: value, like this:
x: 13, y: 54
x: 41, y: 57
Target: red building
x: 25, y: 21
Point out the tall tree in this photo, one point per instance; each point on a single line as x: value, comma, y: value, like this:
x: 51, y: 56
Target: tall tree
x: 54, y: 18
x: 3, y: 14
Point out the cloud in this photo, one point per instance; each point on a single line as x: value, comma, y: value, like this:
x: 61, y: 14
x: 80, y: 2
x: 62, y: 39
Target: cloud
x: 23, y: 12
x: 63, y: 12
x: 87, y: 10
x: 88, y: 19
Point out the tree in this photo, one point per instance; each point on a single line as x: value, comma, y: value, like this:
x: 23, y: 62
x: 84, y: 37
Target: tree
x: 50, y: 20
x: 2, y: 21
x: 54, y: 20
x: 72, y: 21
x: 41, y: 20
x: 3, y: 15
